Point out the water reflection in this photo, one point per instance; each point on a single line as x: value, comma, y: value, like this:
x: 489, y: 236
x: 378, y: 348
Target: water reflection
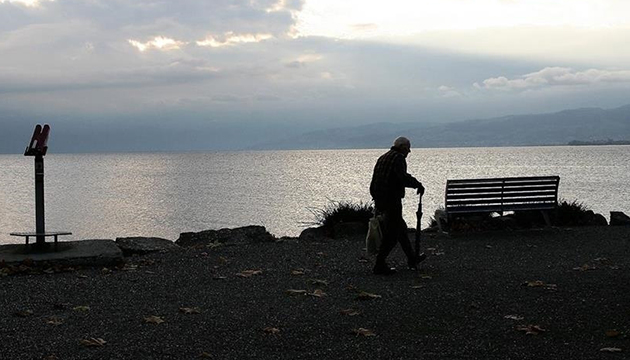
x: 164, y: 194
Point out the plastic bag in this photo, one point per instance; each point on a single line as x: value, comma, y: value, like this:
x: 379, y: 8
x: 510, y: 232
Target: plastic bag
x: 374, y: 235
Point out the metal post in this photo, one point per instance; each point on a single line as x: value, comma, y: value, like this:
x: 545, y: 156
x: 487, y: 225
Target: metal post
x: 40, y: 226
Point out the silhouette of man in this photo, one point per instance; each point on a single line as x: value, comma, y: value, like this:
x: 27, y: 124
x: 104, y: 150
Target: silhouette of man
x: 389, y: 180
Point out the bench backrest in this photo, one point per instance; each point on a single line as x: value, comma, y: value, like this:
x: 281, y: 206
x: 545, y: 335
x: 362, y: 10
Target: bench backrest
x: 501, y: 194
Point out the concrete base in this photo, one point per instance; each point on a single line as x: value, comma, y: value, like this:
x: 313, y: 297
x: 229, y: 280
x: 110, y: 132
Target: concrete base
x: 72, y: 253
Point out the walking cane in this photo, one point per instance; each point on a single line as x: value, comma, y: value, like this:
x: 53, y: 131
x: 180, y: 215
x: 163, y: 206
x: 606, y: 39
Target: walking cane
x: 419, y: 257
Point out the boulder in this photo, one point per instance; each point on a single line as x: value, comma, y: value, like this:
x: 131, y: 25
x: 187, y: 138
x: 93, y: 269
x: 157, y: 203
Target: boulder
x: 241, y: 235
x: 598, y: 220
x: 350, y: 230
x: 144, y: 245
x: 313, y: 234
x: 618, y: 218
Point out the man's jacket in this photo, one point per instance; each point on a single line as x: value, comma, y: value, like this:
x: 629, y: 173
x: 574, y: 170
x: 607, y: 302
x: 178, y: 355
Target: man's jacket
x: 390, y: 177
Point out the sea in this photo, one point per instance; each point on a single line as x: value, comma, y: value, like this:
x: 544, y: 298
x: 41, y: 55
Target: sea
x: 105, y: 196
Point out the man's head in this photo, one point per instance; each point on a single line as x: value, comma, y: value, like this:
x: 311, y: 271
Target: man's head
x: 403, y: 145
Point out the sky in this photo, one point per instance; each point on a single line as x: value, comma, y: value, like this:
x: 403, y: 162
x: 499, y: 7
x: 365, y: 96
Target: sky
x: 222, y: 74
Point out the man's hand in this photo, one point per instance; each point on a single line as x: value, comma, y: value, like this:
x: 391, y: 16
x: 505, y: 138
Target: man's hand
x: 420, y: 189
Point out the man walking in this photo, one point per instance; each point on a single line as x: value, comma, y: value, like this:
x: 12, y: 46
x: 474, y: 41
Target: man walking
x: 389, y: 180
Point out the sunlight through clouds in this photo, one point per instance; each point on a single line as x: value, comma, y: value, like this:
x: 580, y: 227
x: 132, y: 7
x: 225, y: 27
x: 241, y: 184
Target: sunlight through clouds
x: 232, y: 39
x: 344, y: 19
x: 158, y: 43
x: 30, y: 3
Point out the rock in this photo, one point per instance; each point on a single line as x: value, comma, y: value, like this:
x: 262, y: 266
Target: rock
x: 314, y: 234
x: 350, y: 230
x: 598, y: 220
x: 97, y: 252
x: 144, y: 245
x: 241, y: 235
x: 618, y: 218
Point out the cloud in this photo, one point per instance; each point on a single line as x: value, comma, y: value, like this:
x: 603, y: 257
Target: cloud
x: 158, y: 43
x: 555, y: 76
x: 448, y: 92
x: 230, y: 38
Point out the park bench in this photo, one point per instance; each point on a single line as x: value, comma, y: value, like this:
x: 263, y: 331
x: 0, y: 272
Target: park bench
x: 498, y: 195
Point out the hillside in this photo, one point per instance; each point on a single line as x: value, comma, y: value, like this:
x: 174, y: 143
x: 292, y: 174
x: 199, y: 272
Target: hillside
x: 586, y: 124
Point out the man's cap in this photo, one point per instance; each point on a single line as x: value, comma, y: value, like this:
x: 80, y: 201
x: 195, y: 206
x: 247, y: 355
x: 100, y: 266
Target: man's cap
x: 400, y: 141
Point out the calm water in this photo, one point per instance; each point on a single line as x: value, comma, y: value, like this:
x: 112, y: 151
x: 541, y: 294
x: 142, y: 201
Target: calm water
x: 164, y: 194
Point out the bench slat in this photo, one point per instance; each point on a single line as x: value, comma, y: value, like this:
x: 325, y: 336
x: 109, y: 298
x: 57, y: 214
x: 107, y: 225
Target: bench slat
x: 499, y: 201
x: 508, y: 179
x: 495, y: 185
x: 551, y: 194
x: 472, y: 209
x: 499, y: 190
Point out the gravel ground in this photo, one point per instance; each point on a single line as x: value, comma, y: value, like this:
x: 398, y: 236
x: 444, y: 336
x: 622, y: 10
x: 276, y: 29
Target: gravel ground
x: 467, y: 301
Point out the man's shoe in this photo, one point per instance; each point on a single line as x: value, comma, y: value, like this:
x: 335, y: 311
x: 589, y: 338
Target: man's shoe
x: 383, y: 270
x: 413, y: 265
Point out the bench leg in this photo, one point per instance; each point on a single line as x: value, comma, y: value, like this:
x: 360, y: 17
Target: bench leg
x: 55, y: 242
x: 440, y: 215
x: 546, y: 217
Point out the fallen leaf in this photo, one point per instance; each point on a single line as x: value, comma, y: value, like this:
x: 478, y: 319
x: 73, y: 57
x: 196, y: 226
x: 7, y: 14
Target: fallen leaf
x: 363, y: 332
x: 219, y: 278
x: 417, y: 286
x: 129, y: 267
x: 350, y: 312
x: 106, y: 271
x: 249, y: 273
x: 321, y: 253
x: 317, y: 293
x: 612, y: 333
x: 49, y: 271
x: 214, y: 245
x: 94, y: 342
x: 153, y: 319
x: 426, y: 277
x: 585, y: 267
x: 53, y: 320
x: 271, y: 330
x: 318, y: 282
x: 81, y: 308
x: 205, y: 355
x: 149, y: 272
x: 23, y: 313
x: 513, y: 317
x: 50, y: 357
x: 530, y: 329
x: 296, y: 292
x: 297, y: 272
x: 610, y: 349
x: 362, y: 259
x: 363, y: 295
x: 488, y: 246
x: 539, y: 283
x: 223, y: 260
x: 187, y: 310
x: 82, y: 276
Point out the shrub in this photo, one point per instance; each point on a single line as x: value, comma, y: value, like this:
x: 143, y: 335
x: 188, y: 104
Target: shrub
x: 572, y: 213
x: 568, y: 213
x: 341, y: 212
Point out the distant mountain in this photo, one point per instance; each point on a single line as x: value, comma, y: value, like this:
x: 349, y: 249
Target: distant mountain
x: 560, y: 128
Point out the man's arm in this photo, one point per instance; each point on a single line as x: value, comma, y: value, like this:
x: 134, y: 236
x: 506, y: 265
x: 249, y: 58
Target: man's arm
x: 400, y: 169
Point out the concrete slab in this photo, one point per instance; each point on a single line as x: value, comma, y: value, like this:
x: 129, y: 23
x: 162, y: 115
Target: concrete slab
x: 73, y: 253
